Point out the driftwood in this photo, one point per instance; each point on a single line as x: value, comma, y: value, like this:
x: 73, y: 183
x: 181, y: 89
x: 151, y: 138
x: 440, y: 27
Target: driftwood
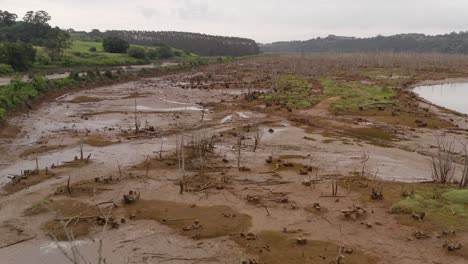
x: 131, y: 197
x: 17, y: 242
x: 354, y: 213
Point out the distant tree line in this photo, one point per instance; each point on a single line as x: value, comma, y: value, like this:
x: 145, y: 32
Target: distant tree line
x: 200, y: 44
x: 17, y: 39
x: 449, y: 43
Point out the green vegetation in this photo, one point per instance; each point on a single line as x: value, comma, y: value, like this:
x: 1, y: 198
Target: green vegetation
x: 292, y: 91
x: 6, y: 69
x: 40, y: 204
x: 19, y: 93
x: 457, y: 196
x: 84, y: 53
x: 21, y: 41
x: 56, y: 43
x: 354, y: 95
x: 115, y: 45
x: 296, y: 91
x: 18, y: 56
x: 444, y: 208
x: 137, y: 52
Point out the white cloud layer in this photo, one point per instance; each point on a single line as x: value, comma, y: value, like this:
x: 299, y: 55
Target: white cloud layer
x: 262, y: 20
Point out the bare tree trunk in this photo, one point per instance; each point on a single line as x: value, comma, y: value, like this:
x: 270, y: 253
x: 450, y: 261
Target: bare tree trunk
x: 137, y: 125
x: 443, y: 163
x: 81, y: 149
x: 161, y: 149
x: 203, y: 112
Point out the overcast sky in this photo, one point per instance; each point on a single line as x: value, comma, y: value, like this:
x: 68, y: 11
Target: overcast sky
x: 262, y: 20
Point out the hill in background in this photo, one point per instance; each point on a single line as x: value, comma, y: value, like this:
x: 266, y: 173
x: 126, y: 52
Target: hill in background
x: 448, y: 43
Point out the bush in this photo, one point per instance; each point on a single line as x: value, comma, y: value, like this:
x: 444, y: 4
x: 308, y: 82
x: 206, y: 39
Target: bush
x: 108, y: 74
x: 92, y: 49
x: 137, y: 52
x: 115, y: 45
x: 19, y: 56
x: 165, y: 52
x: 6, y: 69
x: 152, y: 54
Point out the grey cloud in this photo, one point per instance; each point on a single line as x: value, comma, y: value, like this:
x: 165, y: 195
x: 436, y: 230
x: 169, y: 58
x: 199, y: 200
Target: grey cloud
x: 147, y: 12
x: 262, y: 20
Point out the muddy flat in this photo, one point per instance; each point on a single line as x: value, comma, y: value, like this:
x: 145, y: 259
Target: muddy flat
x: 232, y: 163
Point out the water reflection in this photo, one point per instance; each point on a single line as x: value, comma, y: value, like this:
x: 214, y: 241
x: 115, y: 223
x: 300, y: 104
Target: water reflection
x: 453, y: 96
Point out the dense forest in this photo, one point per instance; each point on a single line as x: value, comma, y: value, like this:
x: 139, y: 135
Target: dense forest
x: 200, y: 44
x: 448, y: 43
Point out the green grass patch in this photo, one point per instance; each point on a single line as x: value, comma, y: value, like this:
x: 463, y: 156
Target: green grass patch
x: 293, y: 91
x: 354, y: 95
x: 87, y: 53
x: 444, y: 208
x: 457, y: 196
x: 6, y: 69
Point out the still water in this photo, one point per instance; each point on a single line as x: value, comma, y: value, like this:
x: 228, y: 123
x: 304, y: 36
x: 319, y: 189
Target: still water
x: 452, y: 96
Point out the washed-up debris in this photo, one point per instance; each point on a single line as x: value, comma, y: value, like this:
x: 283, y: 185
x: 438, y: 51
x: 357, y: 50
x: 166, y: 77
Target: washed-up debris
x: 253, y: 199
x: 452, y: 245
x: 196, y: 225
x: 248, y: 236
x: 301, y: 241
x: 420, y: 235
x: 131, y: 197
x: 418, y: 216
x: 354, y: 213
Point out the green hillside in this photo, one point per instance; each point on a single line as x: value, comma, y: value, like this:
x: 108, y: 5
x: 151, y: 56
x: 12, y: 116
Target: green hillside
x: 84, y: 53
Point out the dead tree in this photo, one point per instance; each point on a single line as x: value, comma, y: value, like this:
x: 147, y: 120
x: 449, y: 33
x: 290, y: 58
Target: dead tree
x: 203, y: 112
x: 81, y: 149
x: 161, y: 148
x: 442, y: 162
x: 137, y: 120
x: 334, y: 187
x: 239, y: 146
x: 181, y: 158
x: 257, y: 136
x: 365, y: 159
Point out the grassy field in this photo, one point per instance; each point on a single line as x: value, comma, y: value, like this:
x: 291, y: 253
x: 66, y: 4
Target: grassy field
x: 79, y: 54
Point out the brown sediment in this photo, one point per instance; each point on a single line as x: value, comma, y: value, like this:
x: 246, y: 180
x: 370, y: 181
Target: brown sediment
x: 214, y: 221
x: 277, y: 248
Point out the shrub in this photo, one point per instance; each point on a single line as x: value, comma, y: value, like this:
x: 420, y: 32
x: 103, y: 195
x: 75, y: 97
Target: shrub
x: 115, y: 45
x: 152, y: 54
x: 19, y: 56
x: 137, y: 52
x: 165, y: 52
x: 6, y: 69
x: 108, y: 74
x: 92, y: 49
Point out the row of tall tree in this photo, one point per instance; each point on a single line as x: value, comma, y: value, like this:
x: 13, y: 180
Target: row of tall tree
x: 200, y: 44
x: 449, y: 43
